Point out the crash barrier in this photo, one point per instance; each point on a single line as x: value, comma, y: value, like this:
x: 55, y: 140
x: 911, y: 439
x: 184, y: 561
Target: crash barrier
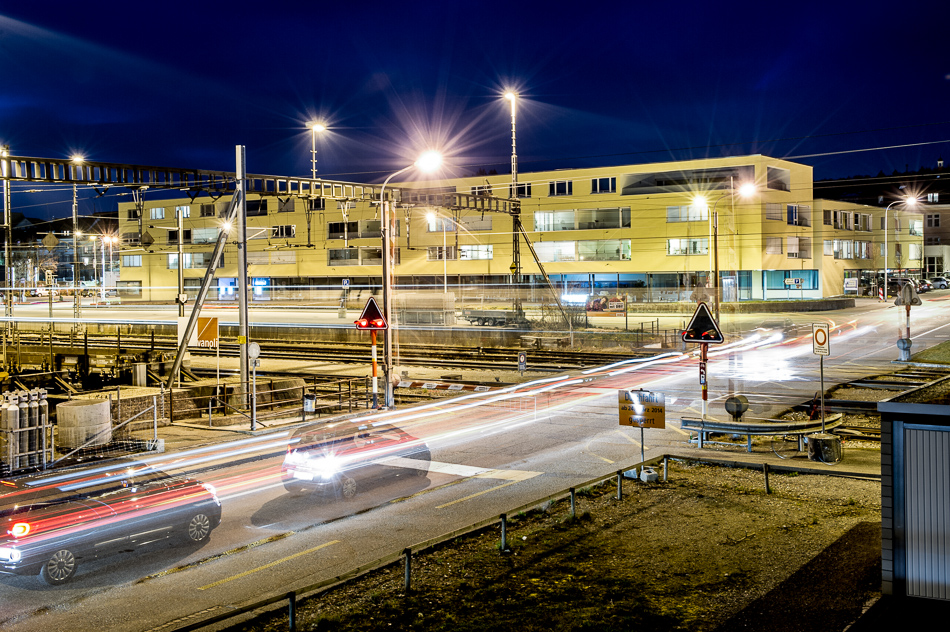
x: 26, y: 434
x: 703, y: 427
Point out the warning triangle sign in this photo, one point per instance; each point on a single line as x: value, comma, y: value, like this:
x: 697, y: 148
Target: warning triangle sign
x: 371, y: 318
x: 702, y: 327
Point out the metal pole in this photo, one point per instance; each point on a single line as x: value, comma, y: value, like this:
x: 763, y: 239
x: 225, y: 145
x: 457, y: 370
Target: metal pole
x: 388, y: 252
x: 181, y: 266
x: 703, y: 377
x: 77, y: 304
x: 821, y: 370
x: 372, y: 334
x: 240, y: 184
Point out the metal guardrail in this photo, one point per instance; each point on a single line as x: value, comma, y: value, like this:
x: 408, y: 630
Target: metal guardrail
x: 749, y: 428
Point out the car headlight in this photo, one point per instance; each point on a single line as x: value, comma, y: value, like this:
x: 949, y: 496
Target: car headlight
x: 296, y: 458
x: 211, y: 490
x: 327, y: 466
x: 10, y: 554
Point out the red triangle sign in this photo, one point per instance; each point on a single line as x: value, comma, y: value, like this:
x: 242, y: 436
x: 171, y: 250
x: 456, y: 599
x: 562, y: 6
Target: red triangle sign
x: 702, y: 327
x: 371, y: 318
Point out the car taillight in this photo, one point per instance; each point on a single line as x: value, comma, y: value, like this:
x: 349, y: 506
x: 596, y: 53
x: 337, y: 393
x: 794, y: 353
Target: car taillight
x: 19, y: 529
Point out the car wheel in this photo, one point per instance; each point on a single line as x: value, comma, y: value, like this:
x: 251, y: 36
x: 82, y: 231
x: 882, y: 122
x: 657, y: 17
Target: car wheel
x: 199, y: 527
x: 348, y: 488
x: 60, y: 568
x: 421, y: 472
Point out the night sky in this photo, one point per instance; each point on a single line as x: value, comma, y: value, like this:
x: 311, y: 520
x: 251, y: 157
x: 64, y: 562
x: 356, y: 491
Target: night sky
x: 601, y: 83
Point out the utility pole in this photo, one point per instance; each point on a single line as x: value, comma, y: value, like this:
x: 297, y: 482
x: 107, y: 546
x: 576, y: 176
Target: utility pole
x: 7, y: 230
x: 241, y: 184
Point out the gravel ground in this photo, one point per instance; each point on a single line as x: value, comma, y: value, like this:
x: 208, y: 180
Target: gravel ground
x: 706, y: 550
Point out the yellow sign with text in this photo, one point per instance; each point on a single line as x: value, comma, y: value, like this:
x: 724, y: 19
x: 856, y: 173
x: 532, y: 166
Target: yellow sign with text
x: 646, y: 409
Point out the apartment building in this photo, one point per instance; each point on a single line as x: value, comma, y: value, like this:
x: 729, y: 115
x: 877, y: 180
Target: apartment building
x: 654, y: 232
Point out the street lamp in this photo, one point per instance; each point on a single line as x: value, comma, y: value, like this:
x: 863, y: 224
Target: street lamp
x: 746, y: 189
x: 910, y: 201
x: 429, y: 161
x: 315, y: 128
x: 77, y: 160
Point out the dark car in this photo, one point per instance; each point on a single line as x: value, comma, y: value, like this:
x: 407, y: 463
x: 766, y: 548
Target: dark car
x: 923, y: 285
x: 52, y: 522
x: 346, y: 459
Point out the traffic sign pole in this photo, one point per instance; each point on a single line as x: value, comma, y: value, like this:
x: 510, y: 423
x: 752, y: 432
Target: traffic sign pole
x: 703, y: 349
x: 372, y: 337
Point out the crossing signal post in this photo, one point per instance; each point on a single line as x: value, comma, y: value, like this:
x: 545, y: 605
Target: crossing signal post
x: 372, y: 320
x: 703, y: 329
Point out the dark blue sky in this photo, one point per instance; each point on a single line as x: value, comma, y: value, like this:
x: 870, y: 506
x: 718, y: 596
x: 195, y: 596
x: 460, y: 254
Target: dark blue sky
x: 603, y: 83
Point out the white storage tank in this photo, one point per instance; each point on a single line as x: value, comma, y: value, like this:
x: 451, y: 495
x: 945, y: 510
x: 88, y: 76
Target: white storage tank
x: 84, y: 420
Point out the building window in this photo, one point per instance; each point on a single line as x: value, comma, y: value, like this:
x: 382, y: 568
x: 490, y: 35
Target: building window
x: 798, y: 215
x: 603, y: 185
x: 775, y: 279
x: 283, y: 232
x: 438, y: 253
x: 207, y: 210
x: 256, y: 207
x: 183, y: 211
x: 134, y: 213
x: 204, y: 235
x: 553, y: 220
x: 933, y: 220
x: 173, y: 236
x: 687, y: 246
x: 156, y: 213
x: 829, y: 249
x: 932, y: 241
x: 916, y: 227
x: 342, y: 230
x: 773, y: 245
x: 897, y: 251
x: 173, y: 260
x: 603, y: 218
x: 799, y: 248
x: 826, y: 218
x: 476, y: 252
x: 371, y: 256
x: 286, y: 206
x: 778, y: 179
x: 914, y: 252
x: 554, y: 251
x: 773, y: 210
x: 343, y: 257
x: 131, y: 261
x: 560, y: 187
x: 475, y: 222
x: 482, y: 189
x: 438, y: 224
x: 521, y: 190
x: 933, y: 198
x: 604, y: 250
x: 691, y: 213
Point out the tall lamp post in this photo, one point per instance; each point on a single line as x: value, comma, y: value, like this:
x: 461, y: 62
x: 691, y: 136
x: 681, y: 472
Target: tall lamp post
x: 745, y: 190
x: 315, y: 128
x: 910, y: 201
x: 512, y: 97
x: 427, y: 162
x: 77, y: 303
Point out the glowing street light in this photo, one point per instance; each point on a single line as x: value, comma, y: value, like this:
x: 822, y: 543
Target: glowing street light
x: 429, y: 161
x: 909, y: 201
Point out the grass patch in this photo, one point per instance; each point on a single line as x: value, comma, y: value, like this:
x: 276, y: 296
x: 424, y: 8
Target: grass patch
x: 938, y: 354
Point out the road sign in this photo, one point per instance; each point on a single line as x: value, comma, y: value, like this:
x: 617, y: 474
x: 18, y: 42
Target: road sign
x: 208, y: 332
x: 645, y: 409
x: 346, y: 284
x: 793, y: 281
x: 513, y: 268
x: 50, y: 241
x: 522, y: 360
x: 702, y: 327
x: 821, y: 343
x: 908, y: 296
x: 702, y: 373
x: 371, y: 318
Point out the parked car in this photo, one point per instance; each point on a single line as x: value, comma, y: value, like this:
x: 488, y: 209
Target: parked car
x: 346, y: 460
x: 940, y: 283
x: 894, y: 285
x: 51, y: 522
x: 923, y: 285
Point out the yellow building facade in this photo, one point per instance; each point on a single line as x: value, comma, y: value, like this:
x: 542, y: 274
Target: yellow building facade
x: 653, y: 232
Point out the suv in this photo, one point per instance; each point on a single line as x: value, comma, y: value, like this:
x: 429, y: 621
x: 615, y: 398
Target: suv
x: 51, y: 522
x: 345, y: 460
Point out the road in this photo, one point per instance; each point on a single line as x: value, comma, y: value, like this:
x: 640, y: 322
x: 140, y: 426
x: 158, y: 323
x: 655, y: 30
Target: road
x: 491, y: 452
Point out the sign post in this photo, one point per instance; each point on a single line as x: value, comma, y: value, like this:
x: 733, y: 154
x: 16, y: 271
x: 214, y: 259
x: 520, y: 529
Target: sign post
x: 702, y: 328
x: 522, y: 362
x: 641, y: 408
x: 821, y: 346
x: 372, y: 320
x: 907, y: 297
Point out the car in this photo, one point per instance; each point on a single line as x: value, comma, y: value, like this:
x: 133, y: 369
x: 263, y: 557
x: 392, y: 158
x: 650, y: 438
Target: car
x: 940, y: 283
x: 923, y: 285
x: 894, y: 285
x: 345, y: 460
x: 52, y: 522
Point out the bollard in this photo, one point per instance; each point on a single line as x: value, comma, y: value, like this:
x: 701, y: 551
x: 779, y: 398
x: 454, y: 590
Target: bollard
x: 504, y: 533
x: 406, y: 585
x: 765, y: 469
x: 666, y: 468
x: 619, y: 484
x: 292, y: 613
x: 573, y: 507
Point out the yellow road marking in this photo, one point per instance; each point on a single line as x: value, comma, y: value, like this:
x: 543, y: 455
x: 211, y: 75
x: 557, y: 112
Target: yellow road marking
x: 475, y: 495
x: 266, y: 566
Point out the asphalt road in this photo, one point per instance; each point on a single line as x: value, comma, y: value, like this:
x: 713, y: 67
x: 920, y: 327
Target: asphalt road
x: 491, y: 452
